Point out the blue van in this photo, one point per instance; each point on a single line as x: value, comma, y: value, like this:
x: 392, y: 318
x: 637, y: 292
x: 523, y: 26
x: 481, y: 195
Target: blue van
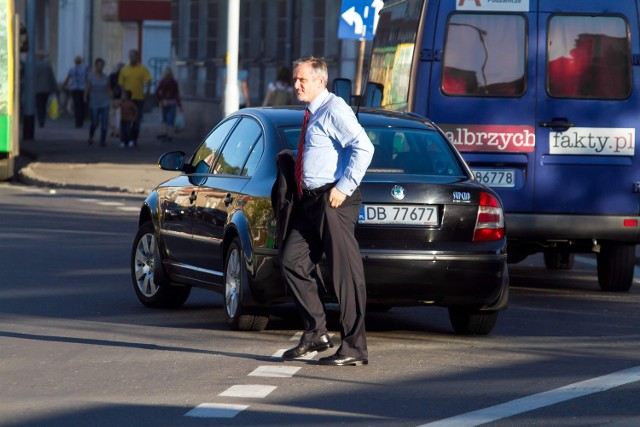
x: 542, y: 98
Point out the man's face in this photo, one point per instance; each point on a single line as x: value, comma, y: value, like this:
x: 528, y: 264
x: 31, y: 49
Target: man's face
x: 133, y: 57
x: 306, y: 83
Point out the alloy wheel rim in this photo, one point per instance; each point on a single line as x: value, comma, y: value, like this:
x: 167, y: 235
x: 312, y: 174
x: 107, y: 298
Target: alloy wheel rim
x: 231, y: 285
x: 143, y: 268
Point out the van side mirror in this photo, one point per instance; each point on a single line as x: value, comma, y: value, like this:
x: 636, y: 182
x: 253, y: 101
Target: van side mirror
x: 342, y: 88
x: 373, y: 95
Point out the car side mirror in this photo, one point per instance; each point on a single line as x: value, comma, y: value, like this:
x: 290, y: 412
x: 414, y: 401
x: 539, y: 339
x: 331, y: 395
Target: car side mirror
x: 172, y: 161
x: 342, y: 88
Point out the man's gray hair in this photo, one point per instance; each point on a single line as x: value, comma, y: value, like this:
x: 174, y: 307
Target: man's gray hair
x: 318, y: 65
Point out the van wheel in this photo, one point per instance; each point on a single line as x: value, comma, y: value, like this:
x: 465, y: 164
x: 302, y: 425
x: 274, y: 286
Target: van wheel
x: 616, y: 264
x: 558, y: 260
x: 238, y: 317
x: 472, y: 322
x: 152, y: 287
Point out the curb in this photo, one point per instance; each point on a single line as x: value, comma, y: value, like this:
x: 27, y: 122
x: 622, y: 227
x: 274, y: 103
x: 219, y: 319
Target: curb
x: 26, y: 176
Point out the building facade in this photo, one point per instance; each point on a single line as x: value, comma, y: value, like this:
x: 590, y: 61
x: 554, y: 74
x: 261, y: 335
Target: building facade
x: 190, y: 36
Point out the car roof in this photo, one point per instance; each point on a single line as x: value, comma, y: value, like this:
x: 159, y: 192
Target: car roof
x: 293, y: 116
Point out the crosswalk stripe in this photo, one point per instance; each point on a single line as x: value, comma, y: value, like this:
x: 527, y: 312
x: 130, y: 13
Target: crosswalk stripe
x: 275, y: 371
x: 216, y: 410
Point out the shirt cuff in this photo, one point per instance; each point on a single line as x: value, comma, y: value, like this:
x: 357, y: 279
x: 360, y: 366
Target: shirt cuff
x: 346, y: 187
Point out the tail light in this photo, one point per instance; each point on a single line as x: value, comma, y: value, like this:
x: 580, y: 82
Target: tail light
x: 490, y: 222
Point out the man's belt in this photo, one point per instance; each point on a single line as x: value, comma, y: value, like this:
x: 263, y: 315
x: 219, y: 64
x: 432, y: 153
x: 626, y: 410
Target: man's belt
x: 319, y: 191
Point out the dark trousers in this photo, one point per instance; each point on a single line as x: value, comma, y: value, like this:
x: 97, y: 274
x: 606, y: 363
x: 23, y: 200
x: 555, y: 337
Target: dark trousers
x: 135, y: 128
x: 99, y: 117
x: 125, y: 131
x: 318, y: 228
x: 42, y: 100
x: 78, y: 106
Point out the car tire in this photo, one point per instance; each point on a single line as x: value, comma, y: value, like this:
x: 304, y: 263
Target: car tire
x: 558, y: 260
x: 239, y: 318
x: 472, y: 322
x: 616, y: 265
x: 152, y: 287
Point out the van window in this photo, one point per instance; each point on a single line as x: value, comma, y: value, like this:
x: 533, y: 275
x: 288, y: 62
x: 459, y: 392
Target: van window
x: 484, y: 55
x: 588, y: 57
x: 393, y: 52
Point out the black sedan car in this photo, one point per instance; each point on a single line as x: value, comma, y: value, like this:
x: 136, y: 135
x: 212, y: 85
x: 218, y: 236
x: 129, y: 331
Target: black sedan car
x: 429, y: 233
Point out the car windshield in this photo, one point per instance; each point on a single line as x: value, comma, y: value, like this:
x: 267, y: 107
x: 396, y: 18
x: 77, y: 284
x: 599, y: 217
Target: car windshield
x: 402, y: 151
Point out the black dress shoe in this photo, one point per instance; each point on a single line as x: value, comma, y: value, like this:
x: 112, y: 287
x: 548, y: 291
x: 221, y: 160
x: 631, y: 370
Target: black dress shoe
x: 305, y: 347
x: 339, y: 360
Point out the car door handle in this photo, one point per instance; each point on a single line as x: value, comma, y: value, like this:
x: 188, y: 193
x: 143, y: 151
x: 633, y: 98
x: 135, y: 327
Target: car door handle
x: 192, y: 197
x: 557, y: 123
x: 228, y: 200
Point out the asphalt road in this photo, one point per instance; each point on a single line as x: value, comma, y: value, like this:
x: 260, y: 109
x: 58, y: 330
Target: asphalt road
x: 76, y: 347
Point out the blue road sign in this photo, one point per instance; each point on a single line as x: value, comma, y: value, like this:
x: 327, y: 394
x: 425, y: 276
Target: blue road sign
x: 358, y: 19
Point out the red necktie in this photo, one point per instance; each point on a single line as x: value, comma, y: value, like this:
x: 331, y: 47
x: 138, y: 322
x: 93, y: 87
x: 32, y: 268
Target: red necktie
x: 298, y: 166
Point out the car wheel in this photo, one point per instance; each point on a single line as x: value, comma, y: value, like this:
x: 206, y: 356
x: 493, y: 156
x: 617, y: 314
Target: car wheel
x: 558, y: 260
x: 472, y: 322
x: 152, y: 289
x: 235, y: 273
x: 616, y: 264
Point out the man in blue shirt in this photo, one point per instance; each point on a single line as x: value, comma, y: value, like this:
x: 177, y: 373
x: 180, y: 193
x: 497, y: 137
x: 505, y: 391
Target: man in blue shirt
x: 333, y: 156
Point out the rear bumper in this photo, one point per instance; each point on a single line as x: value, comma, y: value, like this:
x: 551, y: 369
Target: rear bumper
x: 545, y: 227
x: 415, y: 278
x: 409, y: 278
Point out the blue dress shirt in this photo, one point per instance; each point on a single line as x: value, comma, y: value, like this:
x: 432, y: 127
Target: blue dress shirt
x: 336, y: 146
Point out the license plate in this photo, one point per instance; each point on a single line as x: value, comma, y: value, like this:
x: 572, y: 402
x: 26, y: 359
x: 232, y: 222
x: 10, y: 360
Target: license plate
x: 398, y: 214
x: 496, y: 177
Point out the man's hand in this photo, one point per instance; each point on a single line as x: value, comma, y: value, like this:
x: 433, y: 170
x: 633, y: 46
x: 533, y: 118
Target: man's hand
x: 336, y: 197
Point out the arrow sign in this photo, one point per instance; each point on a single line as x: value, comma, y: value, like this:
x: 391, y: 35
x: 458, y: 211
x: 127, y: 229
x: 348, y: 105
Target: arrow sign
x: 358, y: 19
x: 353, y: 18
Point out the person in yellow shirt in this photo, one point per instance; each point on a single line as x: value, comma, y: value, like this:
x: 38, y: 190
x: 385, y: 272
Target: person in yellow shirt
x: 135, y: 78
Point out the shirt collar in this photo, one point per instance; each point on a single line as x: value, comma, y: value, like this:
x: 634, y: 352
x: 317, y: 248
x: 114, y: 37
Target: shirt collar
x: 318, y: 101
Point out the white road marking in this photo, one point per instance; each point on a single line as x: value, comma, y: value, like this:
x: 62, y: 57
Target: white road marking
x: 216, y: 410
x: 129, y: 208
x: 275, y: 371
x: 111, y: 203
x: 540, y: 400
x: 222, y: 410
x: 88, y: 200
x: 309, y: 356
x: 255, y: 391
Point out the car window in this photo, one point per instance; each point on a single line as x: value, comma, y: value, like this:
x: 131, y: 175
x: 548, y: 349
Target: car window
x: 206, y: 154
x: 239, y: 146
x: 414, y: 151
x: 254, y: 157
x: 588, y: 57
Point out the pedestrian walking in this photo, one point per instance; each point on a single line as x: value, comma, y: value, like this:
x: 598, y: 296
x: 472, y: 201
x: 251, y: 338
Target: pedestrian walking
x: 168, y: 94
x: 135, y: 78
x: 128, y: 116
x: 45, y: 86
x: 334, y: 152
x: 116, y: 95
x: 76, y: 82
x: 280, y: 91
x: 98, y: 96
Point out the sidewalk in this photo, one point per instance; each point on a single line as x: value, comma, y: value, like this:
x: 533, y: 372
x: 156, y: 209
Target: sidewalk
x: 60, y: 156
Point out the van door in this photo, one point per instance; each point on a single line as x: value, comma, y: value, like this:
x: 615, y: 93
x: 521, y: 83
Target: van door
x: 482, y: 91
x: 587, y: 109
